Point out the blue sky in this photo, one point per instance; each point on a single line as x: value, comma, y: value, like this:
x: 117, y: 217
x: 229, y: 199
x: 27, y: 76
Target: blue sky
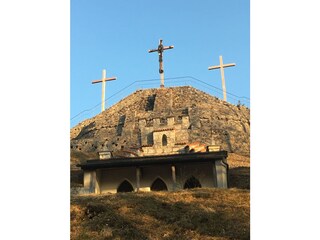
x: 284, y: 83
x: 116, y: 35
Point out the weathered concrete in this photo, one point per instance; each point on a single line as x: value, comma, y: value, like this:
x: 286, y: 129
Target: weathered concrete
x: 142, y: 178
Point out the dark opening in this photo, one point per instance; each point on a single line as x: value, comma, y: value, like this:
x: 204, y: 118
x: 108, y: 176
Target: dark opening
x: 192, y: 182
x: 163, y: 121
x: 121, y: 122
x: 150, y: 138
x: 159, y: 185
x: 185, y: 111
x: 150, y: 102
x: 125, y: 186
x: 164, y: 140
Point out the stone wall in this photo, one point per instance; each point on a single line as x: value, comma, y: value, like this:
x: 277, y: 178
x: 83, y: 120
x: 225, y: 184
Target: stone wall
x: 183, y: 114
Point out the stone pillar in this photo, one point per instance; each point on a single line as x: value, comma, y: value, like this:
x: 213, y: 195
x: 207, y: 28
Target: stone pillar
x: 221, y: 174
x: 92, y: 181
x: 138, y: 176
x: 174, y: 179
x: 89, y: 181
x: 214, y: 174
x: 98, y: 181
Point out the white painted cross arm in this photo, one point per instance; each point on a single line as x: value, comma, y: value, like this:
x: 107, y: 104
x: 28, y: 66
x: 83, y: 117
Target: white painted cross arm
x: 224, y: 66
x: 105, y: 79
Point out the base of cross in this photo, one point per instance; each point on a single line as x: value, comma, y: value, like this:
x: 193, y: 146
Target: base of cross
x: 161, y: 86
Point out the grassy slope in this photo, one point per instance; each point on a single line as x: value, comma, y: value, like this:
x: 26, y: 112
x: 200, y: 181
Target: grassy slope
x: 193, y: 214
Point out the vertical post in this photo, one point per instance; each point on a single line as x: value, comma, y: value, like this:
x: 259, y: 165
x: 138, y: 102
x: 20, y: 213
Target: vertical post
x: 138, y: 176
x: 160, y: 50
x: 103, y: 81
x: 222, y: 78
x: 161, y: 80
x: 221, y: 67
x: 174, y: 179
x: 89, y: 181
x: 98, y: 182
x: 215, y: 181
x: 161, y: 71
x: 104, y: 76
x: 221, y: 171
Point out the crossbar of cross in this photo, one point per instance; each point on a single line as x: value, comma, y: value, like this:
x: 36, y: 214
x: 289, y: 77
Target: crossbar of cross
x: 160, y: 50
x: 103, y: 81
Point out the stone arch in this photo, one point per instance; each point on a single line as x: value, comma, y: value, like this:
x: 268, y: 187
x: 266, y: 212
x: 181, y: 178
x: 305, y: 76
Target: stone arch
x: 164, y: 140
x: 125, y: 186
x: 192, y: 182
x: 158, y: 185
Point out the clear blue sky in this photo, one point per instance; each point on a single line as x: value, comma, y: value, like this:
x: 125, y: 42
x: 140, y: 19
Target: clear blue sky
x: 116, y: 35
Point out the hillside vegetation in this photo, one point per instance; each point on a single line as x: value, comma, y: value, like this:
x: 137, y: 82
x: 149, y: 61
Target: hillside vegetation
x: 219, y: 214
x: 222, y: 214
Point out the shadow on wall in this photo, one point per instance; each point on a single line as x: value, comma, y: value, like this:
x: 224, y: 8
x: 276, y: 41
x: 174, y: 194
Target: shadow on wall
x: 86, y: 130
x: 239, y: 177
x: 76, y: 176
x: 227, y: 135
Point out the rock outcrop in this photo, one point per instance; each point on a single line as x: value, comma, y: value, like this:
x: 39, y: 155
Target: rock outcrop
x: 193, y: 115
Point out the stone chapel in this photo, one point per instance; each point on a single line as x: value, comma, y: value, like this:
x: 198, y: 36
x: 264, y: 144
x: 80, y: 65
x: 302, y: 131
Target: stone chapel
x: 162, y: 139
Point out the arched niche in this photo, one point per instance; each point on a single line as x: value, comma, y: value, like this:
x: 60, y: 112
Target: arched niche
x: 164, y: 140
x: 125, y: 186
x: 192, y: 182
x: 158, y: 185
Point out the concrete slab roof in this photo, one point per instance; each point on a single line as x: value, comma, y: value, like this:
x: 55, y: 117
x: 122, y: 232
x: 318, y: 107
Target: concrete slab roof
x: 154, y: 160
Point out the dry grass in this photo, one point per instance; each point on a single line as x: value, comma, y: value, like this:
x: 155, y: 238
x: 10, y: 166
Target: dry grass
x: 239, y: 171
x: 219, y: 214
x: 194, y: 214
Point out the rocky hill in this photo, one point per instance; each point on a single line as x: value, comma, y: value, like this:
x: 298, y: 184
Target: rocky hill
x: 210, y: 121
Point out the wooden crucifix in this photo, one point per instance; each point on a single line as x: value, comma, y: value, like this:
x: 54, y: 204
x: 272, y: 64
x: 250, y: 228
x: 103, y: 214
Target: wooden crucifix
x: 160, y: 50
x: 222, y: 66
x: 103, y: 80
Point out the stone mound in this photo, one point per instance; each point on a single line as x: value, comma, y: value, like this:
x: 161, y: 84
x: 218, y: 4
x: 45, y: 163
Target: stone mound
x: 193, y: 115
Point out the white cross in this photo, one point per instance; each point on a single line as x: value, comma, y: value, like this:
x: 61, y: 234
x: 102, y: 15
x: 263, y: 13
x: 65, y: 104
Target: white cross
x: 103, y: 80
x: 222, y: 66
